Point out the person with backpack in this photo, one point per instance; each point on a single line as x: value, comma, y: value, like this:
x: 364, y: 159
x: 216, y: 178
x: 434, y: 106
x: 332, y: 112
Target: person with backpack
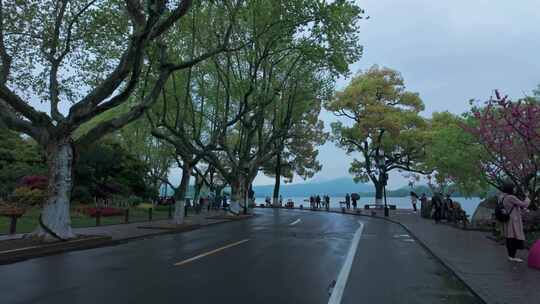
x: 508, y: 212
x: 348, y: 201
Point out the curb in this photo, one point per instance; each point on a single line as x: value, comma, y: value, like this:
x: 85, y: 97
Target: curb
x: 420, y: 242
x: 21, y: 254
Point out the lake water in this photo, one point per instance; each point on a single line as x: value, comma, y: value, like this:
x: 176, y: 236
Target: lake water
x: 468, y: 204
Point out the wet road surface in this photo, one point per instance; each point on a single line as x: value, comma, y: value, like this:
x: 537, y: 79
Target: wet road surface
x: 281, y: 256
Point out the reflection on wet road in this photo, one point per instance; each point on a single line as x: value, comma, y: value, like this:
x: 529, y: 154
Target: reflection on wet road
x: 263, y: 260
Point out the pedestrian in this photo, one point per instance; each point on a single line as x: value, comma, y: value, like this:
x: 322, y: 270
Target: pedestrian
x: 224, y: 202
x: 424, y: 209
x: 354, y: 197
x: 436, y: 202
x: 414, y: 200
x: 513, y: 228
x: 448, y: 208
x: 327, y: 202
x: 280, y: 200
x: 348, y: 201
x: 187, y: 205
x: 318, y: 201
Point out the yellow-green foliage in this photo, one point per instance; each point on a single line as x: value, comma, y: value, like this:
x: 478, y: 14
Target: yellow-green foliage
x: 24, y: 196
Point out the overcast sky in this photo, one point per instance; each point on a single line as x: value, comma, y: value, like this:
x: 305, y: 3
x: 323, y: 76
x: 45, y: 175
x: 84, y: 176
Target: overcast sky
x: 449, y: 52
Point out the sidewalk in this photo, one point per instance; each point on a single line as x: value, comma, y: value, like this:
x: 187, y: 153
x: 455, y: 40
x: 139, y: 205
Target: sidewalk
x: 129, y: 231
x: 478, y: 261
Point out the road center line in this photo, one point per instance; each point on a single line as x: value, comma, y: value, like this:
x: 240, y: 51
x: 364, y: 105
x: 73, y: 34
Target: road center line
x: 210, y: 252
x: 343, y: 276
x: 295, y: 222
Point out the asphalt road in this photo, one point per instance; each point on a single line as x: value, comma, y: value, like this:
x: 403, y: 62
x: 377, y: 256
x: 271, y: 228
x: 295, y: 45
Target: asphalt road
x: 281, y: 256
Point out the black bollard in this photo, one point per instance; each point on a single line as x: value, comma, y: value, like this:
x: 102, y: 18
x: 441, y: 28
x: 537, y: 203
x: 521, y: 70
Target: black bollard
x: 126, y: 216
x: 13, y: 225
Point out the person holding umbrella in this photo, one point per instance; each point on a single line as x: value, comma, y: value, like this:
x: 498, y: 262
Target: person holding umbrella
x: 355, y: 197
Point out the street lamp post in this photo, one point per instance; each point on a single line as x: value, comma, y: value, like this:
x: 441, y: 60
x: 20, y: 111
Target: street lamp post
x: 383, y: 178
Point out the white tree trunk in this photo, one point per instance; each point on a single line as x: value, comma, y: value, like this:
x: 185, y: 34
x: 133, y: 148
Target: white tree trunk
x: 179, y: 206
x: 55, y: 220
x: 237, y: 197
x: 178, y: 218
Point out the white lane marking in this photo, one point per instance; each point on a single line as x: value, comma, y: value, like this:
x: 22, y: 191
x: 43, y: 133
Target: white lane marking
x: 343, y: 276
x: 295, y: 222
x: 397, y: 236
x: 210, y: 252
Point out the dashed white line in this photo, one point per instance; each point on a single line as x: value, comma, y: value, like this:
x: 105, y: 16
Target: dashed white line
x: 295, y: 222
x: 343, y: 276
x: 210, y: 253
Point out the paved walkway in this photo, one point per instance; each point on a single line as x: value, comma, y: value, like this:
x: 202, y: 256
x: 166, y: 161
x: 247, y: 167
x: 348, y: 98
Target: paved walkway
x: 132, y: 230
x: 477, y: 260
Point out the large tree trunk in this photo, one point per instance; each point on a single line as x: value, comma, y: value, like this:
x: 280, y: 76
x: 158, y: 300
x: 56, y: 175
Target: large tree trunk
x: 198, y: 187
x: 379, y: 191
x: 55, y: 221
x: 180, y: 204
x: 277, y: 182
x: 238, y: 194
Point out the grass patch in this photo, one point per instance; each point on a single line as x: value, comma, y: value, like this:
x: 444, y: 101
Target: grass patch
x: 29, y: 221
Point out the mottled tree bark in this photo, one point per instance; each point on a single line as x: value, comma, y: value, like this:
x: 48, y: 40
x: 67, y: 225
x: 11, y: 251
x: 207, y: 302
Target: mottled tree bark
x: 277, y: 183
x: 55, y: 221
x: 179, y: 207
x: 379, y: 192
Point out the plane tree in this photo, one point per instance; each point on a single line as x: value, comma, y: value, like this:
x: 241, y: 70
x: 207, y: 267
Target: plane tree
x: 242, y: 89
x: 454, y: 156
x: 296, y: 152
x: 63, y: 63
x: 380, y: 120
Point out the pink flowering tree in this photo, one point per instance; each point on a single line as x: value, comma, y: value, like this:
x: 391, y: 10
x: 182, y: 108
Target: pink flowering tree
x: 509, y: 132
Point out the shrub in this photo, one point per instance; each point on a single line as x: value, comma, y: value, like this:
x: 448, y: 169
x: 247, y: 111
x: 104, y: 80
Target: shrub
x: 82, y: 195
x: 24, y: 196
x: 531, y: 221
x: 34, y: 182
x: 134, y: 200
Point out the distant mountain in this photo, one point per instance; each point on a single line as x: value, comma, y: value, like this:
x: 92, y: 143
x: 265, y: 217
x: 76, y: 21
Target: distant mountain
x: 335, y: 187
x: 419, y: 189
x: 406, y: 191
